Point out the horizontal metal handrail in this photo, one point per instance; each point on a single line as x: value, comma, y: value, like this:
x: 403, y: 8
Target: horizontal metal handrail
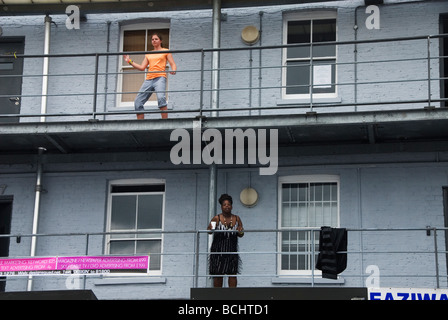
x: 425, y: 76
x: 199, y: 250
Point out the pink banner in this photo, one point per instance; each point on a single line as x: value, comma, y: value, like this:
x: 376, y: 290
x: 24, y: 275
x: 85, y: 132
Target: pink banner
x: 107, y: 262
x: 68, y: 265
x: 28, y: 264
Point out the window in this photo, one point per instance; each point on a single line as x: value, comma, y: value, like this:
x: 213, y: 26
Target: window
x: 136, y: 38
x: 304, y: 202
x: 136, y: 208
x: 309, y: 68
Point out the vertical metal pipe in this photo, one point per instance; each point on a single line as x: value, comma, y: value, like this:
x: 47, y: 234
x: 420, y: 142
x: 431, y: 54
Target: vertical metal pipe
x: 436, y: 258
x: 201, y: 98
x: 212, y: 192
x: 311, y: 77
x: 355, y: 60
x: 360, y: 223
x: 313, y: 257
x: 215, y: 85
x: 250, y: 81
x: 212, y: 197
x: 41, y: 150
x: 429, y: 70
x: 43, y: 105
x: 260, y: 62
x: 196, y: 267
x: 215, y: 55
x: 196, y: 237
x: 95, y: 86
x: 87, y: 253
x: 106, y: 87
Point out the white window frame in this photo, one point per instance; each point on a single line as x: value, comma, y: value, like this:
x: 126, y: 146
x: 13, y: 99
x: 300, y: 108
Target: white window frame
x: 307, y: 16
x: 135, y: 182
x: 122, y: 64
x: 302, y: 179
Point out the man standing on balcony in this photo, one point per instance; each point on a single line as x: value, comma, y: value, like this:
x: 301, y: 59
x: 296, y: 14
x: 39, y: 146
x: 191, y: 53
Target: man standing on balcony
x: 155, y: 78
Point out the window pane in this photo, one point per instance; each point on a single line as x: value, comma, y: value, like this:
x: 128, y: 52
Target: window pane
x: 151, y: 246
x: 316, y: 191
x: 285, y: 249
x: 122, y: 247
x: 132, y: 81
x: 303, y: 192
x: 297, y: 77
x: 123, y: 213
x: 285, y: 192
x: 298, y: 32
x: 134, y: 40
x: 324, y: 76
x: 324, y: 51
x: 150, y: 211
x: 324, y: 30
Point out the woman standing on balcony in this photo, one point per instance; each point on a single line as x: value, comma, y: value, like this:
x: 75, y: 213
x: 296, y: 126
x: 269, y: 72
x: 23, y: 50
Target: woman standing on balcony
x: 224, y: 260
x: 155, y: 78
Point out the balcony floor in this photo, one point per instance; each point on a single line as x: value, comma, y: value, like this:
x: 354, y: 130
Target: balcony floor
x: 362, y: 128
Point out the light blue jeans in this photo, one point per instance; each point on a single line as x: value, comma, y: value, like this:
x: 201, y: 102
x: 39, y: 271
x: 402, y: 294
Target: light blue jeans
x: 157, y: 85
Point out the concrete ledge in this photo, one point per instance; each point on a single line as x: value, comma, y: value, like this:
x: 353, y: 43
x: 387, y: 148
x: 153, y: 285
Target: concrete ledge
x: 276, y: 293
x: 49, y: 295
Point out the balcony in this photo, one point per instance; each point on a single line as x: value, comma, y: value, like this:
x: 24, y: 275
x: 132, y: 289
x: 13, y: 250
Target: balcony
x: 368, y: 265
x: 371, y: 106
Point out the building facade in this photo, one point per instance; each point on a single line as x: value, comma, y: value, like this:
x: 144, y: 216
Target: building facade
x: 341, y: 105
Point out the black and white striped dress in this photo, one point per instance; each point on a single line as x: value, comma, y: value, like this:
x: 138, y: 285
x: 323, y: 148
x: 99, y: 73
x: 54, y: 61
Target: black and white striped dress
x: 229, y: 262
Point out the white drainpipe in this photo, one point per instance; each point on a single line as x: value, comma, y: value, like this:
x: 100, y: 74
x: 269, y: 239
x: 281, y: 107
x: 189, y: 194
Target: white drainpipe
x: 215, y: 55
x: 36, y: 209
x: 43, y: 107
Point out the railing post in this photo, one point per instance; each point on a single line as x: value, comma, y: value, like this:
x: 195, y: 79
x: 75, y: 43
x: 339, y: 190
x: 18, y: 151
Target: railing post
x: 201, y: 98
x: 429, y: 70
x: 313, y: 255
x: 95, y: 86
x: 87, y: 253
x: 196, y: 267
x: 436, y: 253
x: 311, y: 78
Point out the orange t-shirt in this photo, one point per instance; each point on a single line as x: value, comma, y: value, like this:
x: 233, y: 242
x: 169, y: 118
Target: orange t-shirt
x: 157, y: 62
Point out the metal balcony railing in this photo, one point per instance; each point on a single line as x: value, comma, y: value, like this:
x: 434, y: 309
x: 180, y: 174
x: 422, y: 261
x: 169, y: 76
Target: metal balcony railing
x: 404, y: 257
x: 370, y: 75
